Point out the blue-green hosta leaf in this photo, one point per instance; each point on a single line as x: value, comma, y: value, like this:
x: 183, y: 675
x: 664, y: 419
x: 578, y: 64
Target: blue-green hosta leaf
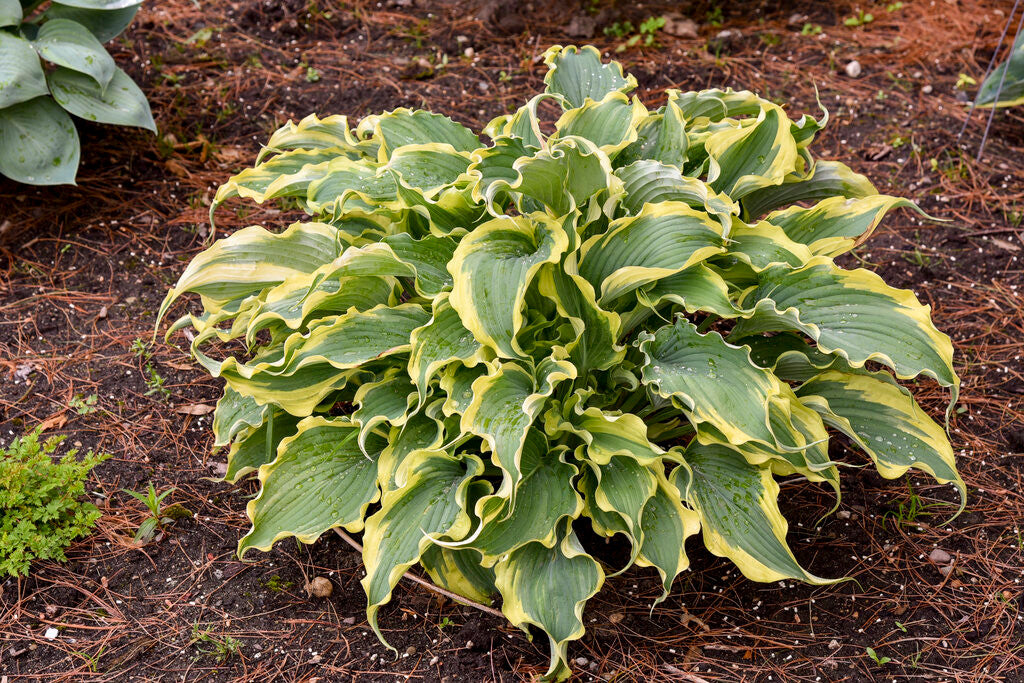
x: 422, y: 431
x: 21, y: 74
x: 234, y: 414
x: 697, y: 288
x: 713, y: 381
x: 825, y: 179
x: 652, y: 182
x: 835, y: 225
x: 609, y: 123
x: 459, y: 571
x: 579, y: 75
x: 106, y: 5
x: 563, y: 178
x: 504, y: 404
x: 407, y: 127
x: 548, y: 587
x: 38, y: 142
x: 523, y: 124
x: 716, y: 105
x: 744, y: 159
x: 665, y: 525
x: 340, y: 181
x: 10, y: 13
x: 662, y: 240
x: 253, y: 183
x: 428, y: 167
x: 1006, y: 81
x: 595, y: 346
x: 763, y: 244
x: 319, y: 480
x: 121, y: 103
x: 492, y: 268
x: 610, y: 434
x: 457, y: 383
x: 792, y: 359
x: 886, y: 422
x: 428, y: 256
x: 739, y: 513
x: 252, y: 259
x: 494, y: 171
x: 443, y: 340
x: 313, y: 133
x: 546, y: 493
x: 852, y: 313
x: 104, y: 24
x: 257, y: 446
x: 430, y: 501
x: 69, y: 44
x: 623, y: 487
x: 661, y: 137
x: 387, y: 399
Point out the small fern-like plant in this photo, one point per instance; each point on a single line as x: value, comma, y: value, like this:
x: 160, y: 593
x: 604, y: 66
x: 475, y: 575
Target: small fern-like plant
x: 631, y: 325
x: 41, y: 502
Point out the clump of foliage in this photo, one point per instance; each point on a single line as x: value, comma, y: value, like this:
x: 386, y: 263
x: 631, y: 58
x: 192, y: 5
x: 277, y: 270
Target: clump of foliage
x: 631, y: 324
x: 1004, y: 87
x: 41, y: 506
x: 38, y: 141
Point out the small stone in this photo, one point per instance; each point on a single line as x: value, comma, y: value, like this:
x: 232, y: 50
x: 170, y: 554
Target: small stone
x: 680, y: 26
x: 946, y: 569
x: 581, y: 661
x: 927, y: 90
x: 320, y: 587
x: 939, y: 556
x: 469, y: 644
x: 434, y: 660
x: 853, y: 69
x: 833, y: 644
x: 469, y: 52
x: 843, y: 514
x: 348, y: 621
x: 411, y: 650
x: 616, y: 617
x: 581, y: 26
x: 50, y: 633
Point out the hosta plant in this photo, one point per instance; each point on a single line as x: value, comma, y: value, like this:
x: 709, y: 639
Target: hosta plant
x: 609, y: 320
x: 52, y: 64
x: 1004, y: 87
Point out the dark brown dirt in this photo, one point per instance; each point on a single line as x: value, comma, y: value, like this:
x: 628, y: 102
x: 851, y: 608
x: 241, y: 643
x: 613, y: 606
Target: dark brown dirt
x: 84, y: 270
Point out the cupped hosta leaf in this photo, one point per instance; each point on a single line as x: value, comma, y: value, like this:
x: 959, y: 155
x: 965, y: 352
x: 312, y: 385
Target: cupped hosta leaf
x: 610, y: 123
x: 102, y: 23
x: 460, y: 571
x: 537, y: 583
x: 406, y: 127
x: 253, y: 258
x: 492, y: 267
x: 739, y: 514
x: 548, y: 495
x: 713, y: 381
x: 10, y: 13
x: 38, y: 142
x: 579, y: 74
x: 430, y: 501
x: 826, y: 179
x: 745, y: 159
x: 665, y: 525
x: 1004, y: 86
x: 120, y: 102
x: 69, y: 44
x: 853, y: 313
x: 21, y: 74
x: 592, y: 314
x: 441, y: 341
x: 319, y: 480
x: 662, y: 240
x: 886, y: 422
x: 312, y: 133
x: 835, y: 225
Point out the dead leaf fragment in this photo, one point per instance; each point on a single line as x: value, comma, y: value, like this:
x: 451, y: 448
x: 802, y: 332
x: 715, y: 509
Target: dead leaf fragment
x: 55, y: 421
x: 194, y: 409
x: 1003, y: 244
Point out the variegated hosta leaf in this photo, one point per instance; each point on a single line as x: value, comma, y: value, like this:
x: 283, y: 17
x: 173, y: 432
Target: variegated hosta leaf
x: 886, y: 422
x: 547, y: 587
x: 495, y: 340
x: 739, y: 514
x: 430, y: 502
x: 319, y: 480
x: 853, y: 313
